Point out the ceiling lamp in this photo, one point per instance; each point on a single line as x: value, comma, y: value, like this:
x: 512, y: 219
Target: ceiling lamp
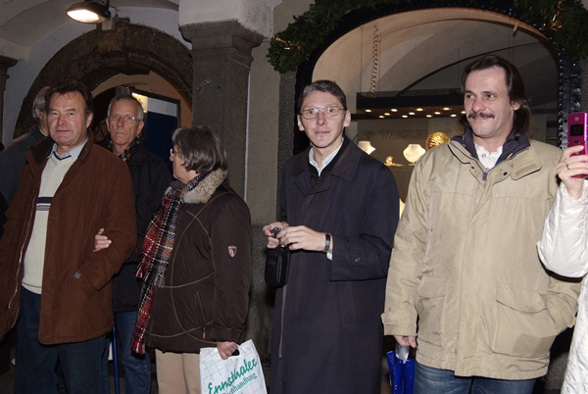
x: 89, y: 11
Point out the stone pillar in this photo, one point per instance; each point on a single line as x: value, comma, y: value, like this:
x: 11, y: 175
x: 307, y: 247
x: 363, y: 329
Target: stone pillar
x: 5, y: 64
x: 221, y: 53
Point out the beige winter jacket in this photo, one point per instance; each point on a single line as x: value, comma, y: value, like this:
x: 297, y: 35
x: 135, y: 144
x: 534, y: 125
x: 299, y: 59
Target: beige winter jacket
x: 465, y: 265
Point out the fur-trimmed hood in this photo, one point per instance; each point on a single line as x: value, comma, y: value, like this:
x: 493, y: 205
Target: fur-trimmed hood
x: 202, y: 193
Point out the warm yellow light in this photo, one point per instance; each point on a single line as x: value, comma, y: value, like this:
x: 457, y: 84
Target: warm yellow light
x: 368, y: 110
x: 387, y: 113
x: 436, y: 139
x: 419, y: 109
x: 83, y: 16
x: 144, y: 100
x: 411, y: 113
x: 89, y: 12
x: 446, y: 108
x: 394, y: 110
x: 437, y: 113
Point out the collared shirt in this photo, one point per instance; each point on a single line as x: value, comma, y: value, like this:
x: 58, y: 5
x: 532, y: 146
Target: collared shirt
x: 74, y: 153
x: 324, y: 162
x: 488, y: 159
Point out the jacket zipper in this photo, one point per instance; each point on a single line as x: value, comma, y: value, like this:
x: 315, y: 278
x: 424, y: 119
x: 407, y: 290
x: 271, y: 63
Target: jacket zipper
x: 201, y: 307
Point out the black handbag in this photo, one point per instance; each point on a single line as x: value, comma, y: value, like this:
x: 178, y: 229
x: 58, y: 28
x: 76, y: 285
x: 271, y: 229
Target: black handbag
x: 277, y: 266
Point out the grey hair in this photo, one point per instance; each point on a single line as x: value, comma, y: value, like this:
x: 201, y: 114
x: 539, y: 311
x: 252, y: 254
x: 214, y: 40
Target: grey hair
x: 40, y: 102
x: 126, y: 97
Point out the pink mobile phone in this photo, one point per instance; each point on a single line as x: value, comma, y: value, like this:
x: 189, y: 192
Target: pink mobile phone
x: 578, y: 133
x: 577, y: 130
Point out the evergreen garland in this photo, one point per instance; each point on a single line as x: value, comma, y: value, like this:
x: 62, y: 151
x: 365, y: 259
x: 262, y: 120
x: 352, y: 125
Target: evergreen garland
x: 564, y: 22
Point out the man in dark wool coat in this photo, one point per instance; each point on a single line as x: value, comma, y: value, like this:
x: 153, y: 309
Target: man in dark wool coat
x: 339, y: 211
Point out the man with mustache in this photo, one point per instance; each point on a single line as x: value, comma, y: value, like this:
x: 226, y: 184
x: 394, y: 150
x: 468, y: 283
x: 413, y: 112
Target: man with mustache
x: 464, y: 263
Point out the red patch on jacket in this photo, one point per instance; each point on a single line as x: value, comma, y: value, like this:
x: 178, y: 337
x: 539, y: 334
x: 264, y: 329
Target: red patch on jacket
x: 232, y: 251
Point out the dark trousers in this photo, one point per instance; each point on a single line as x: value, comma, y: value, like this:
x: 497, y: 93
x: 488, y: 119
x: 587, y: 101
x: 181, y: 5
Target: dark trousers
x: 81, y: 362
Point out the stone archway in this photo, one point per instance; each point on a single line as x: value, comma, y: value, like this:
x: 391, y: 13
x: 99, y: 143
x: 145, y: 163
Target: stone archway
x: 96, y: 56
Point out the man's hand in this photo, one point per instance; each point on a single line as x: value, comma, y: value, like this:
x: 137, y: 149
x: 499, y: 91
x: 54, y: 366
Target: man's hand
x: 101, y: 241
x: 225, y: 349
x: 273, y: 237
x: 404, y: 340
x: 570, y: 165
x: 302, y: 237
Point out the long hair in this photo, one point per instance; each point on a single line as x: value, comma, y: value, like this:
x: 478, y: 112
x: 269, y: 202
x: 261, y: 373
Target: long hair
x: 516, y: 90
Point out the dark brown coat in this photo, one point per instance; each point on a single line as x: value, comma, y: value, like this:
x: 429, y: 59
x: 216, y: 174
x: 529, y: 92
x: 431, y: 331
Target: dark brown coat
x: 205, y: 297
x: 96, y: 192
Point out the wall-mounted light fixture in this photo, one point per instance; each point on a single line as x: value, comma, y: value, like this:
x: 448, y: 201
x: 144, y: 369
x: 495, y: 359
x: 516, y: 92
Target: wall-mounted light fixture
x: 366, y: 146
x: 89, y: 11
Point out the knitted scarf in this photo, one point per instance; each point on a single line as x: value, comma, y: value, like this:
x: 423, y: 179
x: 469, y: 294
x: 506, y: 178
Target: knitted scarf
x: 157, y: 251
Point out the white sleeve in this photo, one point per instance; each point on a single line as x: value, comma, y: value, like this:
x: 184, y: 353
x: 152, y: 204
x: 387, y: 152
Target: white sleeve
x: 564, y: 245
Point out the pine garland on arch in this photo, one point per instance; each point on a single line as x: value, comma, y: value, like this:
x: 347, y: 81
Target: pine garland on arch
x: 564, y: 22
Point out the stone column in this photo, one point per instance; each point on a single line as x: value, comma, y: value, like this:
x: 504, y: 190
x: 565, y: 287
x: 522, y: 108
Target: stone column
x: 221, y: 53
x: 5, y: 64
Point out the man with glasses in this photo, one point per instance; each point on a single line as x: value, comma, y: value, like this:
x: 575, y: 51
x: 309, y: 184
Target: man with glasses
x: 338, y: 214
x: 150, y: 178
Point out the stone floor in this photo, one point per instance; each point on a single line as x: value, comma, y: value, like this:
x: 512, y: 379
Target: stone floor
x: 548, y: 385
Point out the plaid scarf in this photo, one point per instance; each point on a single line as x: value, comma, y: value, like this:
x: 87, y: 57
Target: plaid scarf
x: 157, y: 251
x: 129, y: 151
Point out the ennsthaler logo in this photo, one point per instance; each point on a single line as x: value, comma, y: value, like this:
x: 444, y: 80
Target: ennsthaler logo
x: 236, y: 374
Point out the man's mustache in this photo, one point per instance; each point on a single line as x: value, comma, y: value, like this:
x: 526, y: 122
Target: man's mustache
x: 481, y: 115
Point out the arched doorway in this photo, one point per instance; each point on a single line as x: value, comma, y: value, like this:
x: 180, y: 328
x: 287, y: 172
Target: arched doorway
x: 99, y: 55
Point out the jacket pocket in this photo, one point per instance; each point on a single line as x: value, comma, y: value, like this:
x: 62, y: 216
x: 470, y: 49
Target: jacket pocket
x: 431, y: 310
x: 523, y: 326
x: 200, y: 314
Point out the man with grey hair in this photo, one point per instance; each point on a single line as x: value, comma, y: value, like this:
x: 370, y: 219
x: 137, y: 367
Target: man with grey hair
x: 150, y: 178
x: 12, y: 159
x: 12, y: 162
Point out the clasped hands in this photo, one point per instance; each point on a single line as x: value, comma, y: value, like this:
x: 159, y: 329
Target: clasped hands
x: 295, y: 237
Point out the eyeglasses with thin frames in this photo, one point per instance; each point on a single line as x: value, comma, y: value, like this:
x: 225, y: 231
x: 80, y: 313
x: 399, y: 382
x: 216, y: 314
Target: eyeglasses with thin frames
x: 126, y: 118
x: 328, y: 111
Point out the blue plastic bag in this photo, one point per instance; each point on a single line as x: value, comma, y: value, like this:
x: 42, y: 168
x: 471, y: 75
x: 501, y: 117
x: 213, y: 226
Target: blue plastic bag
x: 401, y: 374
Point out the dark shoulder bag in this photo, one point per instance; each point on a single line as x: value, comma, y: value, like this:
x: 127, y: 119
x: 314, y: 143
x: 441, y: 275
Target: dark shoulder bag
x: 277, y: 266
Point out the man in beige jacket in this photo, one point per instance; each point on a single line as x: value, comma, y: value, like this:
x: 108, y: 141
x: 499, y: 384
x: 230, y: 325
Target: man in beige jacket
x: 464, y: 273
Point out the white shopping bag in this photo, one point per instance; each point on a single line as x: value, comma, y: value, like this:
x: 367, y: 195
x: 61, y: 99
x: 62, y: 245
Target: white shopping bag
x: 240, y: 374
